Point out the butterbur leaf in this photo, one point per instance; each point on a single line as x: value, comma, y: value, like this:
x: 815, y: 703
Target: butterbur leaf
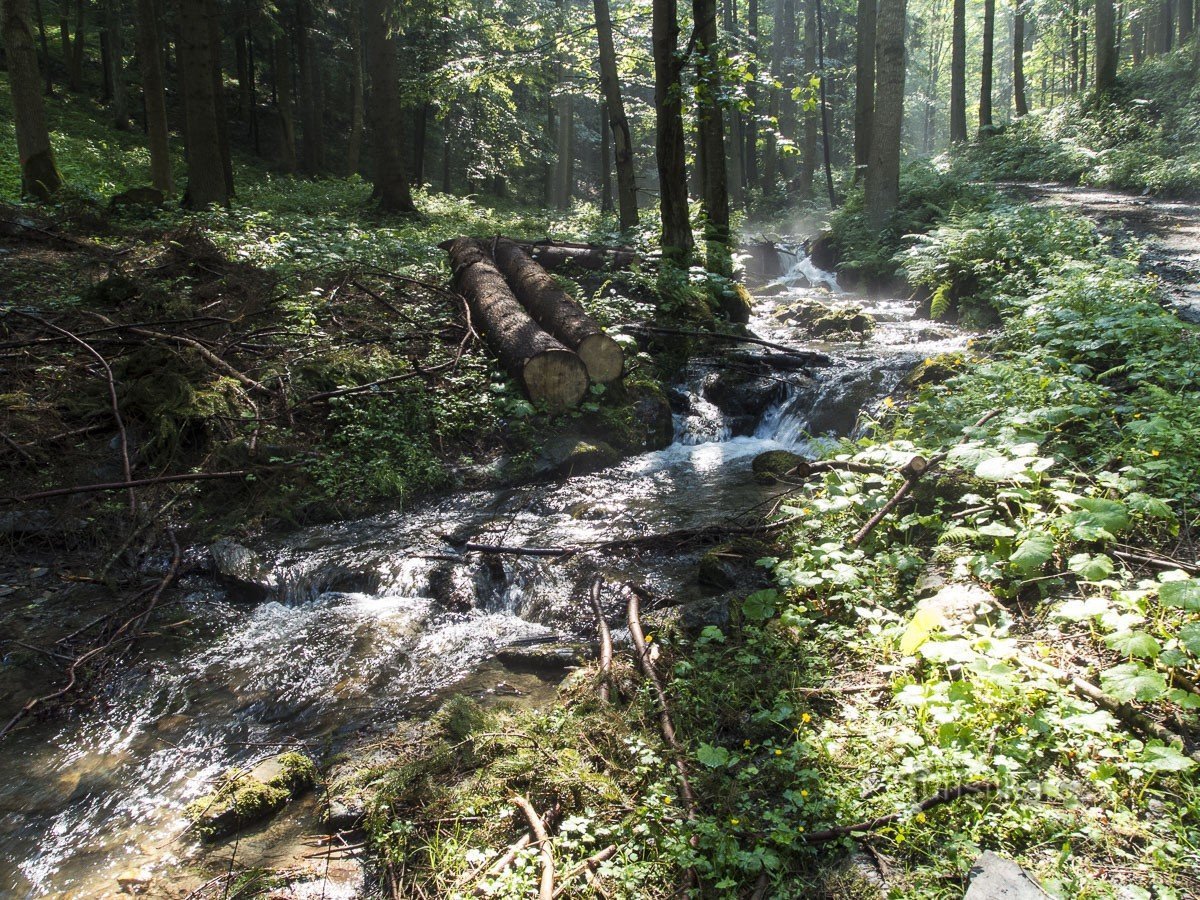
x: 1183, y: 594
x: 1110, y: 515
x: 760, y: 605
x: 1001, y: 468
x: 1091, y: 568
x: 1164, y: 758
x: 1133, y: 681
x: 713, y: 757
x: 1189, y: 638
x: 1078, y: 610
x: 1134, y: 643
x: 923, y: 624
x: 1032, y: 553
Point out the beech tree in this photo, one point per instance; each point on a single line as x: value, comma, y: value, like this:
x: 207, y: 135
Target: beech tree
x: 614, y: 108
x: 958, y: 73
x: 384, y: 110
x: 677, y: 242
x: 883, y: 171
x: 39, y: 172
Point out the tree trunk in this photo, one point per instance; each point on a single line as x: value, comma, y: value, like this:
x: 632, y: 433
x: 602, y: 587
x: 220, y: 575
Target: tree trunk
x: 560, y: 315
x: 864, y: 85
x: 789, y: 120
x: 1073, y: 47
x: 311, y: 132
x: 64, y: 30
x: 826, y: 150
x: 985, y: 76
x: 1166, y: 26
x: 618, y: 123
x: 751, y: 129
x: 118, y: 97
x: 677, y: 240
x: 548, y: 371
x: 1187, y: 20
x: 215, y: 34
x: 564, y: 172
x: 418, y: 150
x: 958, y: 73
x: 355, y: 62
x: 606, y: 191
x: 253, y: 91
x: 733, y: 118
x: 1106, y: 49
x: 241, y: 67
x: 808, y: 149
x: 883, y: 171
x: 710, y: 125
x: 387, y: 131
x: 75, y: 71
x: 45, y: 61
x: 39, y: 173
x: 555, y: 255
x: 1137, y: 37
x: 1019, y: 98
x: 154, y: 98
x: 206, y: 181
x: 284, y: 103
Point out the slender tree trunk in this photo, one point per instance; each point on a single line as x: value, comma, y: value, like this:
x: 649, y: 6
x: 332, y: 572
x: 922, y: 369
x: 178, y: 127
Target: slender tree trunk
x: 826, y: 150
x: 75, y: 70
x: 385, y: 111
x: 882, y: 188
x: 284, y: 103
x: 1073, y: 47
x: 222, y: 107
x: 864, y: 85
x: 311, y: 132
x: 355, y: 62
x: 606, y: 191
x: 64, y: 31
x: 751, y: 130
x: 958, y: 73
x: 789, y: 120
x: 618, y: 123
x: 1083, y: 55
x: 205, y: 166
x: 1106, y: 48
x: 241, y: 66
x: 808, y: 148
x: 39, y: 173
x: 771, y: 168
x: 669, y: 139
x: 1022, y: 103
x: 733, y: 119
x: 418, y: 160
x: 985, y: 77
x: 711, y: 137
x: 1187, y: 20
x: 116, y: 67
x: 1166, y: 26
x: 45, y: 43
x: 154, y: 98
x: 253, y: 91
x: 564, y: 172
x: 1137, y: 38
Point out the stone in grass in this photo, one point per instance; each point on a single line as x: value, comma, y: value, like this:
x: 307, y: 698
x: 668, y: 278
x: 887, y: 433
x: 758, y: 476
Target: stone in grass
x: 243, y: 797
x: 995, y: 878
x: 773, y: 465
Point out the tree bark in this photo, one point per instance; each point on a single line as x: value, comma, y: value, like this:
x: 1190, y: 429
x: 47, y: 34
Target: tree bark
x: 75, y: 71
x: 284, y: 103
x: 206, y: 182
x: 548, y: 371
x: 553, y: 309
x: 606, y: 192
x: 1106, y: 49
x: 312, y: 150
x: 39, y: 173
x: 64, y: 30
x: 149, y: 42
x: 711, y: 138
x: 751, y: 129
x: 826, y: 150
x: 387, y: 131
x: 985, y: 76
x: 1187, y: 20
x: 883, y: 171
x: 677, y: 240
x: 618, y: 123
x: 355, y: 62
x: 45, y: 43
x: 564, y: 172
x: 215, y: 37
x: 118, y: 97
x: 1166, y: 26
x: 1019, y: 96
x: 553, y: 255
x: 808, y: 148
x: 958, y: 73
x: 864, y: 85
x: 733, y: 120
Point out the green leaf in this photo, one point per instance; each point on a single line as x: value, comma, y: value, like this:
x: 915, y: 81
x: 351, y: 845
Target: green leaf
x: 1110, y: 515
x: 1183, y: 594
x: 1189, y: 637
x: 1133, y: 681
x: 1091, y: 568
x: 1001, y: 468
x: 997, y: 530
x: 1134, y: 643
x: 1164, y: 758
x: 923, y: 624
x: 1032, y: 553
x: 760, y: 605
x: 713, y: 757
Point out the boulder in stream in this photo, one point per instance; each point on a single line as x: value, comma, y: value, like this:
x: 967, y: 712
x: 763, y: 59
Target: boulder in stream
x: 241, y: 570
x: 831, y: 322
x: 773, y: 465
x: 568, y: 455
x: 245, y: 796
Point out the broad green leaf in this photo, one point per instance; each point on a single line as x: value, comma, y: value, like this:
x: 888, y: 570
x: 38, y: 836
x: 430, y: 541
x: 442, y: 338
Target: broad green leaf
x: 1189, y: 637
x: 1134, y: 643
x: 1164, y: 758
x: 1001, y: 468
x: 1089, y: 567
x: 1032, y: 553
x: 1110, y: 515
x: 760, y: 605
x: 1183, y: 594
x: 713, y: 757
x: 997, y: 530
x: 923, y: 624
x: 1078, y: 610
x: 1133, y: 681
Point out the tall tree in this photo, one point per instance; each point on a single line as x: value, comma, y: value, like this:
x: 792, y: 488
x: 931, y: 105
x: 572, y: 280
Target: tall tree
x: 564, y: 167
x: 206, y: 181
x: 355, y: 62
x: 1018, y: 60
x: 826, y: 151
x: 75, y: 69
x: 958, y: 73
x: 1166, y: 26
x: 118, y: 102
x: 1106, y: 48
x: 215, y: 34
x: 284, y: 101
x: 808, y: 147
x: 385, y: 111
x: 154, y: 99
x: 677, y: 240
x: 751, y: 130
x: 882, y: 189
x: 1187, y: 20
x: 618, y: 123
x: 39, y: 174
x: 985, y: 76
x: 864, y: 85
x: 312, y: 131
x: 733, y: 118
x: 606, y: 192
x: 711, y: 137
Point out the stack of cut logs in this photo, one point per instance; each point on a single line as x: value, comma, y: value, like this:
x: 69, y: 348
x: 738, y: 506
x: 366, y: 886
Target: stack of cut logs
x: 543, y: 337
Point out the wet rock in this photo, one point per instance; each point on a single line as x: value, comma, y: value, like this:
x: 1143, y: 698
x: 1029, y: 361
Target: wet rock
x: 568, y: 455
x: 653, y: 415
x: 995, y: 878
x: 679, y: 400
x: 26, y: 522
x: 134, y: 881
x: 244, y: 797
x: 823, y: 253
x: 769, y: 467
x: 689, y: 619
x: 841, y: 401
x: 138, y: 196
x: 241, y: 570
x: 831, y: 322
x: 460, y: 587
x: 935, y: 370
x: 730, y: 564
x: 776, y: 288
x: 958, y: 605
x: 736, y: 304
x: 544, y: 658
x: 737, y: 392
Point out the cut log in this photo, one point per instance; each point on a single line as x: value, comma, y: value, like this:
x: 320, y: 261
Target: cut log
x: 558, y: 313
x: 560, y: 254
x: 548, y: 371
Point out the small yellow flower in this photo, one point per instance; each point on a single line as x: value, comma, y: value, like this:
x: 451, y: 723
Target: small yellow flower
x: 746, y: 742
x: 649, y: 638
x: 899, y: 839
x: 805, y: 718
x: 889, y: 402
x: 804, y: 793
x: 779, y: 752
x: 920, y: 817
x: 666, y: 801
x: 799, y: 827
x: 735, y: 821
x: 1137, y: 415
x: 1154, y: 452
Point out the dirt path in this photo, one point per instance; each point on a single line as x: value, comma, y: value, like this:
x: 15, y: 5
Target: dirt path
x: 1169, y: 228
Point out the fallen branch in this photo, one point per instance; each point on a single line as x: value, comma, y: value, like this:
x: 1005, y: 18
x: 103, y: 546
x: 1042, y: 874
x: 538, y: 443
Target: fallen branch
x: 590, y: 864
x: 142, y: 482
x: 912, y: 472
x: 947, y: 795
x: 813, y: 357
x: 538, y: 827
x: 1159, y: 562
x: 606, y: 645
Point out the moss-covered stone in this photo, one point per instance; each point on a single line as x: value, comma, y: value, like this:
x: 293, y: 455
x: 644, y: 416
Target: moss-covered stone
x: 569, y: 455
x: 773, y: 465
x: 832, y: 322
x: 736, y: 304
x: 934, y: 370
x: 243, y: 797
x: 725, y: 565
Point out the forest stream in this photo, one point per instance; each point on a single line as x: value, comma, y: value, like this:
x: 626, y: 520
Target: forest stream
x: 366, y: 622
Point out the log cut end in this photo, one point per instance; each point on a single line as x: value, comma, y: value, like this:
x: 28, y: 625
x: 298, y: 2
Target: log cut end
x: 557, y: 378
x: 602, y: 356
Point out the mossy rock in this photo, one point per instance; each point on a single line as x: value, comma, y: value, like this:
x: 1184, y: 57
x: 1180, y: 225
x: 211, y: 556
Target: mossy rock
x: 935, y: 370
x: 736, y: 304
x: 832, y: 322
x: 244, y: 797
x: 725, y: 565
x: 637, y: 416
x: 569, y: 455
x: 773, y: 465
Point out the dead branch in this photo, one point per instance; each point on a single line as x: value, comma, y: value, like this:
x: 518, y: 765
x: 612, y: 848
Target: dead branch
x: 538, y: 827
x: 813, y: 358
x: 947, y: 795
x: 590, y: 864
x: 912, y: 472
x: 143, y: 482
x: 606, y: 645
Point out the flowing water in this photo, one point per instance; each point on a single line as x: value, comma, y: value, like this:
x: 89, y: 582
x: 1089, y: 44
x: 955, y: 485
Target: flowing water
x: 374, y: 620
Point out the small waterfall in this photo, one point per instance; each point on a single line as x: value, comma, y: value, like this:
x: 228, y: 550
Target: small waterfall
x: 799, y: 270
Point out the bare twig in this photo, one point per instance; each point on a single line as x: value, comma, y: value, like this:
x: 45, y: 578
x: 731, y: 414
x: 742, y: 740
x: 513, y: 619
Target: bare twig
x: 606, y: 645
x: 947, y: 795
x: 538, y: 827
x: 590, y: 864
